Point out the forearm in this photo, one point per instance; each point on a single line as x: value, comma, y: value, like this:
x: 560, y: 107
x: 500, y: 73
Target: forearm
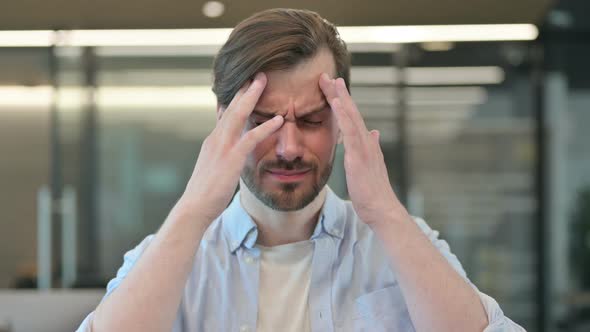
x: 438, y: 298
x: 149, y: 297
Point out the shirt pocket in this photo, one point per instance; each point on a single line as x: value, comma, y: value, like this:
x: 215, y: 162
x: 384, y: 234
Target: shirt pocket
x: 382, y: 310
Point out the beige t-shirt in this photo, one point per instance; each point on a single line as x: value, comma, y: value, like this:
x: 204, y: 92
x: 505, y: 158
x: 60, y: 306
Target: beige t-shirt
x: 285, y: 273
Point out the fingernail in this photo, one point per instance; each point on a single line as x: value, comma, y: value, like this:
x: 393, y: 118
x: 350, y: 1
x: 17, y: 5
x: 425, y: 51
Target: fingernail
x: 256, y: 80
x: 259, y: 76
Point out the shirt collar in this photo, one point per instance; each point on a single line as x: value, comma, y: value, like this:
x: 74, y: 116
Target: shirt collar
x: 332, y: 219
x: 240, y: 229
x: 238, y: 225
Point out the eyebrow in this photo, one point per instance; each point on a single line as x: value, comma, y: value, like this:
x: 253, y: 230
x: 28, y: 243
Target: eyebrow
x: 269, y: 115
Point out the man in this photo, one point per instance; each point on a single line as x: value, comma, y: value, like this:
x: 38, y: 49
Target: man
x: 287, y: 254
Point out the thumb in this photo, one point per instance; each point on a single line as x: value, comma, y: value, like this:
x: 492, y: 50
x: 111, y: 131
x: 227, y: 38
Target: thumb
x: 375, y: 135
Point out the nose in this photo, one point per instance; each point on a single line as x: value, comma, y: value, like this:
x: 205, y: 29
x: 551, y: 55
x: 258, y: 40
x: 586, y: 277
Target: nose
x: 289, y: 144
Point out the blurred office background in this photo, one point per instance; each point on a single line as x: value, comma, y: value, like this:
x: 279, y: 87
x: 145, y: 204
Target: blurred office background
x: 485, y: 139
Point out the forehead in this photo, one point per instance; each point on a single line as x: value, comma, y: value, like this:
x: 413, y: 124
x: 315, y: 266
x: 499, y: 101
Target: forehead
x: 297, y: 89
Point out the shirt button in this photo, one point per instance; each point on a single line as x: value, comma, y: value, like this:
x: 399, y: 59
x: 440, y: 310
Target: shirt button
x: 244, y: 328
x: 249, y: 260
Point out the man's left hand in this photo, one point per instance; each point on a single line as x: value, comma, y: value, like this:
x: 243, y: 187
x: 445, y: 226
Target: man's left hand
x: 366, y: 174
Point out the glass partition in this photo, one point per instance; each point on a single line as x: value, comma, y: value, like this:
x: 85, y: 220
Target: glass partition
x: 458, y: 134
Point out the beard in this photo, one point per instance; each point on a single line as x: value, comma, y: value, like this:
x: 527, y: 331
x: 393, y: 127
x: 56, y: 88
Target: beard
x: 290, y: 196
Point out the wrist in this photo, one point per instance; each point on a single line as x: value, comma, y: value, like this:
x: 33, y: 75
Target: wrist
x: 188, y: 208
x: 392, y: 217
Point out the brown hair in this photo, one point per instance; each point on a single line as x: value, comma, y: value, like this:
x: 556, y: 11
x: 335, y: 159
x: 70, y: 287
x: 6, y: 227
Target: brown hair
x: 275, y: 39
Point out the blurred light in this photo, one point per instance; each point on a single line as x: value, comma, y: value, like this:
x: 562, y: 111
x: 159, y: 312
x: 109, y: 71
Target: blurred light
x: 454, y: 75
x: 352, y: 35
x: 438, y: 96
x: 437, y: 46
x: 37, y: 38
x: 373, y: 48
x: 162, y: 97
x: 432, y: 33
x: 421, y: 96
x: 441, y: 114
x: 163, y: 77
x: 213, y: 9
x: 429, y: 75
x: 172, y: 37
x: 111, y: 97
x: 38, y: 96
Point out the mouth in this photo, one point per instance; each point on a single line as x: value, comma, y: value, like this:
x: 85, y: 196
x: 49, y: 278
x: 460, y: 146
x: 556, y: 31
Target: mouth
x: 284, y: 175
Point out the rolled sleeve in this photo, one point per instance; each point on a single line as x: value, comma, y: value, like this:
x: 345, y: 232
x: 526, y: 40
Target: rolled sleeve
x: 129, y: 260
x: 497, y: 322
x: 86, y: 325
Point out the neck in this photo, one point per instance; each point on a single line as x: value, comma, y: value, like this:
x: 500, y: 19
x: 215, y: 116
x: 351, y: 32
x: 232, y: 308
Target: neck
x: 281, y: 227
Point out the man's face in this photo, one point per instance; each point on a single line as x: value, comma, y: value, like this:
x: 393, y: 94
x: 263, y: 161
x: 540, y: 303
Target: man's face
x: 289, y: 169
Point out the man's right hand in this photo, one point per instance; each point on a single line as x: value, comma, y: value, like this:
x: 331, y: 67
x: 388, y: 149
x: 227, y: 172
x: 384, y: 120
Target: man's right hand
x: 149, y: 294
x: 223, y: 153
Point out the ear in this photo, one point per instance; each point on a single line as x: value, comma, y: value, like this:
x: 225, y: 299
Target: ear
x: 220, y: 111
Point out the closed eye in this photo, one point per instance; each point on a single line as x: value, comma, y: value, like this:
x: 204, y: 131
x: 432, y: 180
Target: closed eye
x: 312, y: 122
x: 257, y: 120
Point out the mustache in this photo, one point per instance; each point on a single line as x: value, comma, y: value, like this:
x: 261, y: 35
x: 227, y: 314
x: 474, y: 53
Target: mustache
x: 296, y: 164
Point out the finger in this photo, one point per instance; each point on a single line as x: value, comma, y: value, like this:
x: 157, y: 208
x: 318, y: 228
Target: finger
x: 329, y: 90
x: 254, y: 136
x: 350, y: 133
x: 349, y: 105
x: 327, y: 86
x: 240, y: 93
x: 375, y: 134
x: 236, y: 99
x: 247, y: 101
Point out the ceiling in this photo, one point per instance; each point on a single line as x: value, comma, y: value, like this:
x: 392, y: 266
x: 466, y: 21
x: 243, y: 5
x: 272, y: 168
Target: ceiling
x: 162, y: 14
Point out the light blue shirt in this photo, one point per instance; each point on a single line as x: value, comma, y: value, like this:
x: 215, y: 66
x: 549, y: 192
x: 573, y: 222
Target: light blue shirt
x: 353, y: 286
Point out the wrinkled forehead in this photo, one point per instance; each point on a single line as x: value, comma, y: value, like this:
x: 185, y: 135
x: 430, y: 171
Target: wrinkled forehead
x: 297, y: 88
